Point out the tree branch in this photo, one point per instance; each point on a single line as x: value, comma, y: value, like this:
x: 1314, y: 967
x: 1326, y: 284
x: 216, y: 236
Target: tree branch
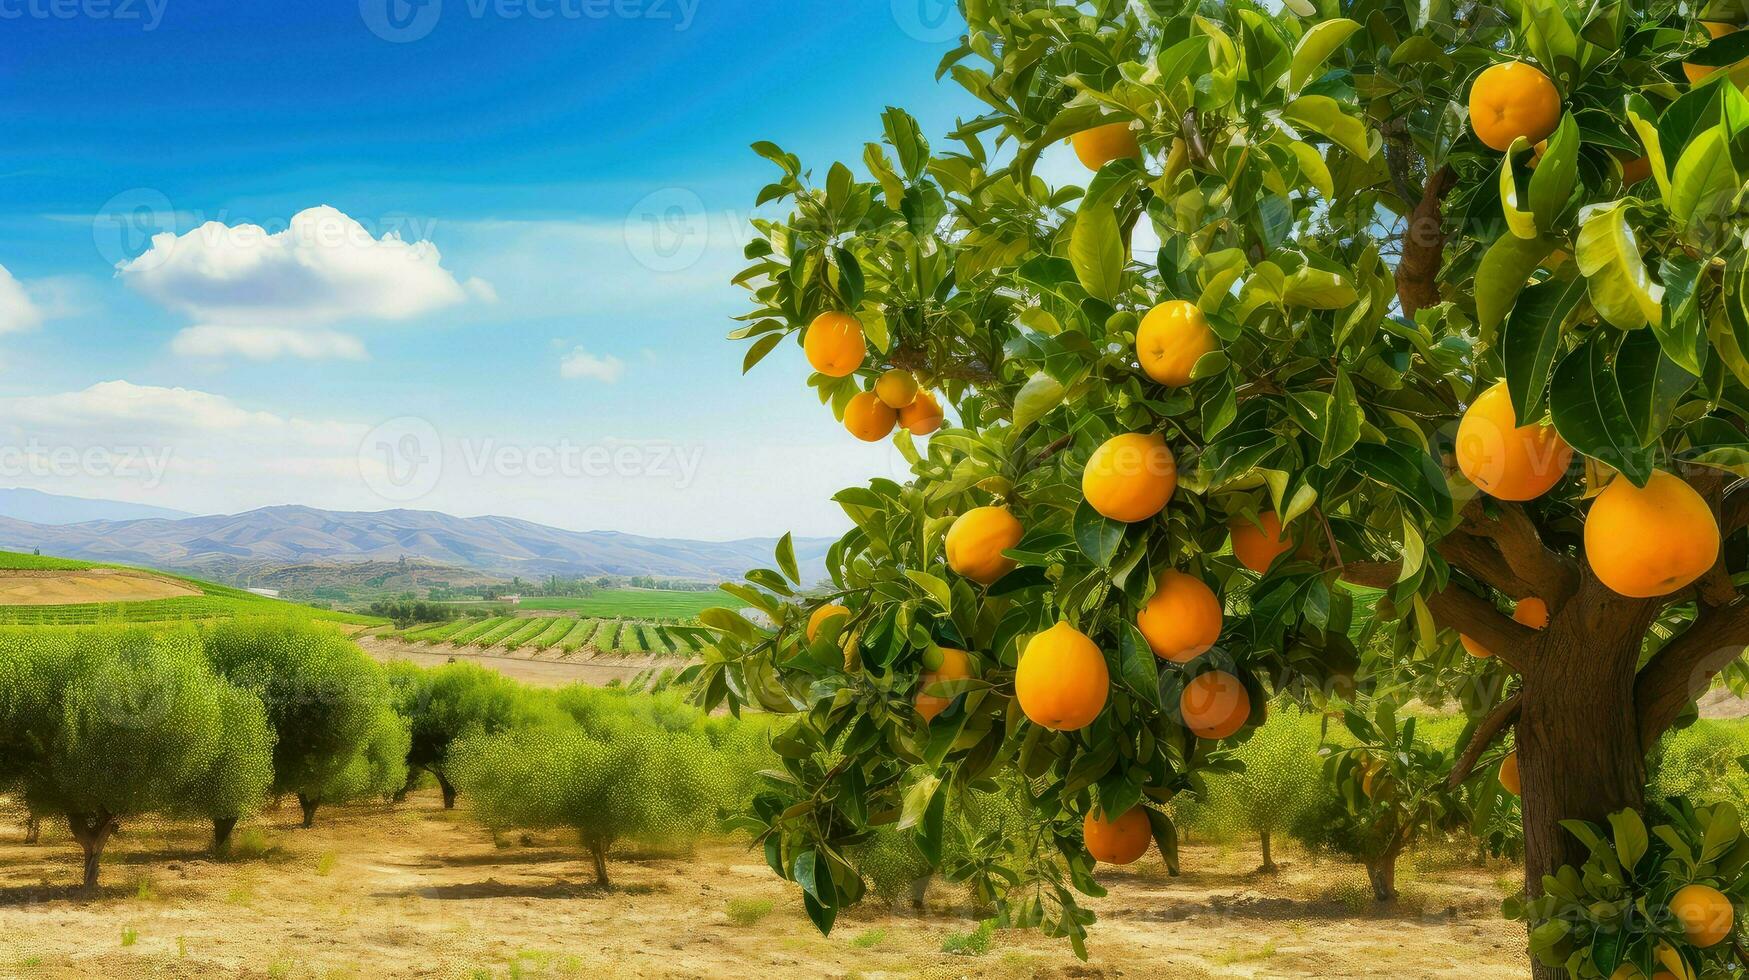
x: 1684, y: 669
x: 1504, y: 715
x: 1458, y: 609
x: 1424, y: 245
x: 1533, y: 569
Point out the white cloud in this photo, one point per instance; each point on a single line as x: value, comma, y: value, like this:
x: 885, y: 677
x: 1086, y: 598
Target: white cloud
x: 267, y: 343
x: 17, y: 310
x: 324, y: 267
x: 122, y: 409
x: 481, y: 290
x: 580, y: 364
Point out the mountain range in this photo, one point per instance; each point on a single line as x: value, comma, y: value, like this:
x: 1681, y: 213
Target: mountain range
x: 228, y: 546
x: 51, y: 508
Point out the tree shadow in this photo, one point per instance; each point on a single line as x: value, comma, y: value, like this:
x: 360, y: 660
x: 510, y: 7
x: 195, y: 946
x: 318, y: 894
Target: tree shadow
x: 492, y: 888
x: 518, y: 856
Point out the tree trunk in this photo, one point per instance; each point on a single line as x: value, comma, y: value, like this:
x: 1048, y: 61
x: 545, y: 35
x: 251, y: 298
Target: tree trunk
x: 1578, y: 741
x: 599, y: 853
x: 92, y: 831
x: 309, y: 806
x: 1381, y: 873
x: 33, y: 829
x: 1268, y: 860
x: 222, y: 827
x: 448, y: 792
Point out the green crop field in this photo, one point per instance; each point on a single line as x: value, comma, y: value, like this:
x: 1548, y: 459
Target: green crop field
x: 633, y: 603
x: 563, y: 636
x: 213, y: 602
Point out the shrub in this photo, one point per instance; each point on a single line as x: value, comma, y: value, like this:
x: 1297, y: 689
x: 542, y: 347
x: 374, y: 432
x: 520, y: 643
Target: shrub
x: 1280, y: 779
x: 235, y: 783
x: 325, y: 700
x: 446, y: 703
x: 1700, y: 763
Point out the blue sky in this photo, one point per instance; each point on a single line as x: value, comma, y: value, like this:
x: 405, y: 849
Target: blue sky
x: 580, y: 169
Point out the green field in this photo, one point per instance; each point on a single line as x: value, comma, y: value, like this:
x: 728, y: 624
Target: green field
x: 214, y: 602
x: 632, y: 603
x: 564, y: 635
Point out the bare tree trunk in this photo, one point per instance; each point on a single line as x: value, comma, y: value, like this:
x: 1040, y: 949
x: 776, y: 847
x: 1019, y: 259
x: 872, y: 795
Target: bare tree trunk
x: 598, y: 851
x: 1268, y: 860
x: 309, y: 807
x: 92, y: 831
x: 222, y: 827
x: 33, y: 830
x: 448, y: 791
x: 1381, y: 873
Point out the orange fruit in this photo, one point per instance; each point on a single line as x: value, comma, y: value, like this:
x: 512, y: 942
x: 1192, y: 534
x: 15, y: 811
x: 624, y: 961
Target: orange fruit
x: 1062, y: 681
x: 1705, y: 914
x: 1651, y: 542
x: 1531, y: 611
x: 834, y: 344
x: 1119, y: 841
x: 897, y: 388
x: 1170, y: 340
x: 922, y: 416
x: 1182, y: 620
x: 1215, y: 704
x: 820, y: 616
x: 1509, y: 774
x: 1700, y: 73
x: 1130, y: 477
x: 1506, y: 460
x: 868, y: 418
x: 1635, y: 170
x: 1257, y: 546
x: 976, y: 541
x: 1510, y: 100
x: 1102, y: 144
x: 956, y: 665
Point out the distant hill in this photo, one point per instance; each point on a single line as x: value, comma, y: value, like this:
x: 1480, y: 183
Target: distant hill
x: 54, y: 509
x: 304, y: 535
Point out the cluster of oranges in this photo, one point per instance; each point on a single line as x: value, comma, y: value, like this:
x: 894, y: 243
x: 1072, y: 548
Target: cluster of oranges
x: 835, y: 346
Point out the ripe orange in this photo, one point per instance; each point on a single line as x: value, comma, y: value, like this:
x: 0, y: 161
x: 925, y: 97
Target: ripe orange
x: 1119, y: 841
x: 1503, y: 459
x: 1651, y: 542
x: 1182, y: 620
x: 897, y: 388
x: 955, y: 665
x: 1102, y: 144
x: 834, y: 344
x: 1531, y: 611
x: 1705, y: 914
x: 1215, y: 704
x: 922, y: 416
x: 1635, y: 170
x: 820, y: 616
x: 1257, y: 547
x: 1062, y: 681
x: 868, y: 418
x: 1170, y: 340
x: 1509, y: 775
x: 976, y: 541
x: 1510, y: 100
x: 1130, y: 477
x: 1700, y: 73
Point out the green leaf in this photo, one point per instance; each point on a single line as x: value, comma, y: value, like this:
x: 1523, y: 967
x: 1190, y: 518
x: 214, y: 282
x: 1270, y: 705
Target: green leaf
x: 1322, y: 114
x: 1631, y: 839
x: 1651, y: 384
x: 1334, y: 418
x: 1502, y: 275
x: 1096, y: 252
x: 1704, y: 181
x: 1609, y: 257
x: 1137, y: 664
x: 1551, y: 183
x: 819, y: 895
x: 1644, y: 119
x: 786, y: 558
x: 1590, y: 413
x: 916, y: 802
x: 1099, y: 536
x: 1037, y: 397
x: 1409, y: 471
x: 934, y: 587
x: 1532, y: 338
x: 1521, y: 221
x: 1318, y: 289
x: 1315, y: 47
x: 1681, y: 328
x: 760, y: 348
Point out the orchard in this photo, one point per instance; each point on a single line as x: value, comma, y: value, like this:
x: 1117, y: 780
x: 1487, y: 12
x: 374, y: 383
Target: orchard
x: 1362, y: 328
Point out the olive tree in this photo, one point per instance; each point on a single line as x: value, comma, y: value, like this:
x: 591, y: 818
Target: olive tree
x: 235, y: 783
x: 325, y: 701
x: 445, y: 703
x: 1298, y: 262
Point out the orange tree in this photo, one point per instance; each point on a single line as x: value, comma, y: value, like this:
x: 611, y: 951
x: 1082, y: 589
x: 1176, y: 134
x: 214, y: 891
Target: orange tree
x: 1448, y: 300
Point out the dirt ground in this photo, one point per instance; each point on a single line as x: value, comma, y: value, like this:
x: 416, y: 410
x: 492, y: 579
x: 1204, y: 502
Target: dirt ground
x: 56, y: 588
x: 535, y: 667
x: 413, y: 891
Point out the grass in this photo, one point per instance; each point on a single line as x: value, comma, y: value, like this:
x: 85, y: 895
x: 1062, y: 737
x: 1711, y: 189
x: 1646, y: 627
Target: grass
x: 214, y: 602
x: 748, y: 911
x: 974, y: 943
x: 632, y: 603
x: 325, y: 863
x: 869, y: 938
x: 1237, y: 956
x: 129, y: 935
